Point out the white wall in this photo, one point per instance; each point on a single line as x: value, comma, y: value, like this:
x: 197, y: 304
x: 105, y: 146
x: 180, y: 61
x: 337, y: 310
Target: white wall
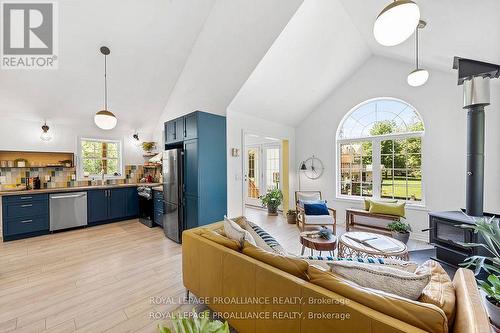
x: 20, y: 134
x: 236, y: 124
x: 440, y: 104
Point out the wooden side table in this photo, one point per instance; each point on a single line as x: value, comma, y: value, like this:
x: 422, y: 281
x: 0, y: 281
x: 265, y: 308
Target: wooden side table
x: 317, y: 243
x: 349, y: 248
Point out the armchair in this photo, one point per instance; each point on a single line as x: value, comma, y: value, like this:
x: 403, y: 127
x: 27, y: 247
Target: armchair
x: 304, y: 220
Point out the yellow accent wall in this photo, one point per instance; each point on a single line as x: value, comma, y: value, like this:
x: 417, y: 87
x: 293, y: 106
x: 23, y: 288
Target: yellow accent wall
x: 285, y: 177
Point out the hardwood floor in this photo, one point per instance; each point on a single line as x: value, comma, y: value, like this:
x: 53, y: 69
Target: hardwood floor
x: 99, y: 279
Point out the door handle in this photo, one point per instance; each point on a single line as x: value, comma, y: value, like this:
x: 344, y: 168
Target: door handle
x: 26, y: 221
x: 26, y: 198
x: 68, y: 196
x: 28, y: 205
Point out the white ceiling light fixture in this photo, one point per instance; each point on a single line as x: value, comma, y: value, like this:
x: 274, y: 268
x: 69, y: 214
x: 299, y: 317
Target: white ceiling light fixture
x: 105, y: 119
x: 418, y: 76
x: 45, y: 136
x: 396, y: 23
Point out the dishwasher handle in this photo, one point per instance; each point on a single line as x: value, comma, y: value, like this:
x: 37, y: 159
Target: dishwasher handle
x: 68, y: 196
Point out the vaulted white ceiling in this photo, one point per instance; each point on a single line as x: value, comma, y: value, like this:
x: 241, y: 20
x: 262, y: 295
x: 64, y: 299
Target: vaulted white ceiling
x: 275, y: 59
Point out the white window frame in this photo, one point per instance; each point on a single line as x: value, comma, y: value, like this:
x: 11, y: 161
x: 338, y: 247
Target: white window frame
x: 79, y: 170
x: 376, y: 156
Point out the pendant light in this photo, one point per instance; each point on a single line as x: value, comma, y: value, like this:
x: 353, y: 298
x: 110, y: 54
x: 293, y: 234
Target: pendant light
x: 105, y: 119
x: 396, y: 23
x: 45, y: 136
x: 418, y: 76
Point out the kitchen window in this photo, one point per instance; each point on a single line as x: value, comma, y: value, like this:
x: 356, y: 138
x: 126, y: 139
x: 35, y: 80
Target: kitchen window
x: 379, y: 145
x: 97, y: 156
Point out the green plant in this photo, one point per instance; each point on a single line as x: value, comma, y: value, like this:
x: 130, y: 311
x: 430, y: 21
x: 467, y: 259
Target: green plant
x: 272, y: 198
x: 399, y: 226
x: 148, y: 146
x: 291, y: 212
x: 195, y: 323
x: 325, y: 233
x: 489, y: 231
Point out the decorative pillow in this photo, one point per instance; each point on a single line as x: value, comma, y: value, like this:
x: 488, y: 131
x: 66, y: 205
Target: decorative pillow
x: 304, y: 202
x: 396, y: 209
x: 262, y: 239
x: 316, y: 209
x: 407, y: 266
x: 427, y: 317
x: 439, y: 291
x: 234, y: 231
x: 219, y: 239
x: 388, y: 279
x: 289, y: 264
x: 369, y: 201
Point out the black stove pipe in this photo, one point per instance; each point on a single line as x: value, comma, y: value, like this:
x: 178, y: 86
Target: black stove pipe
x: 475, y: 77
x: 475, y: 161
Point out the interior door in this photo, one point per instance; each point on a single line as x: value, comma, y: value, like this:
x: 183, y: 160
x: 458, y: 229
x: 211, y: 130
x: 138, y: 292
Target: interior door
x: 253, y: 175
x: 271, y: 167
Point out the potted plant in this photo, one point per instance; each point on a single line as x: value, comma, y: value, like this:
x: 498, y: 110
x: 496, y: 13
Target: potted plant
x: 291, y: 216
x: 272, y: 200
x: 195, y: 323
x: 148, y: 146
x: 489, y: 231
x: 400, y: 230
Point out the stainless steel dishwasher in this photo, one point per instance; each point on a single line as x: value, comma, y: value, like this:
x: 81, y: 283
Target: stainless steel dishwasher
x: 68, y: 210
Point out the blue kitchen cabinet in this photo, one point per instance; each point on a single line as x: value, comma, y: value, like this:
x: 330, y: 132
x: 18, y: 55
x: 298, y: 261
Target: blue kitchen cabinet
x: 113, y: 204
x: 132, y: 201
x: 158, y: 207
x: 191, y: 167
x: 97, y: 206
x: 191, y: 126
x: 25, y: 216
x: 170, y: 132
x: 190, y: 212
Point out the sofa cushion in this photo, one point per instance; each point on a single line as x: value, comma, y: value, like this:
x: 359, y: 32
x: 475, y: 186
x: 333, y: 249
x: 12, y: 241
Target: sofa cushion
x: 439, y: 291
x: 220, y: 239
x: 381, y: 277
x: 234, y: 231
x: 292, y: 265
x: 262, y: 239
x: 386, y: 208
x: 319, y: 219
x: 408, y: 266
x: 316, y: 209
x: 369, y: 201
x: 422, y: 315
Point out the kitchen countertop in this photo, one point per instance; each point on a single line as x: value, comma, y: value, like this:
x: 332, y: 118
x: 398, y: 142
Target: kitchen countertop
x: 74, y: 189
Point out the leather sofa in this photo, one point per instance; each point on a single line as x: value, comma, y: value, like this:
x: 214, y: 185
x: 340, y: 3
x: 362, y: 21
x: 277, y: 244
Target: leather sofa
x: 255, y: 297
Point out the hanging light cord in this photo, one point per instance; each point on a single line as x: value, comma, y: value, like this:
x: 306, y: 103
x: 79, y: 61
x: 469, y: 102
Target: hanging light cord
x: 105, y: 84
x: 416, y: 47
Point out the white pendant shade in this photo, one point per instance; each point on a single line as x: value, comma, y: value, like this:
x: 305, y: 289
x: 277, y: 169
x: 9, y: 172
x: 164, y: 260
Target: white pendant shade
x: 105, y: 120
x: 418, y: 77
x: 45, y: 136
x: 396, y: 23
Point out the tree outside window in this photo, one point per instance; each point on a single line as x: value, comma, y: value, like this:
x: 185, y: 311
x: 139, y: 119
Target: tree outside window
x: 380, y: 151
x: 99, y: 156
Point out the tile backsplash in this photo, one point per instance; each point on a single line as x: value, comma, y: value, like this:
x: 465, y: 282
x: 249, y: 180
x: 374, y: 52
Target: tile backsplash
x: 56, y: 177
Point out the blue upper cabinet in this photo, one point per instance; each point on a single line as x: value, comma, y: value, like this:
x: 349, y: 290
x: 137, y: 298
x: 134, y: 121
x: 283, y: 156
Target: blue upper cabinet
x: 191, y: 126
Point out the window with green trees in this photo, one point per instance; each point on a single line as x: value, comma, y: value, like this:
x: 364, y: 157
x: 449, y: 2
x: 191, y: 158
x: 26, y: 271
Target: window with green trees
x: 380, y: 151
x: 99, y: 156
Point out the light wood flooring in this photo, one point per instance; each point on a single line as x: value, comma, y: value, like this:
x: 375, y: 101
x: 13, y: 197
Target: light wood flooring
x: 99, y: 279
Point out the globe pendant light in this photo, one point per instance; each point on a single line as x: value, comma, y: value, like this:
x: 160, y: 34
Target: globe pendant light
x: 396, y: 23
x: 105, y: 119
x: 418, y: 76
x: 45, y: 136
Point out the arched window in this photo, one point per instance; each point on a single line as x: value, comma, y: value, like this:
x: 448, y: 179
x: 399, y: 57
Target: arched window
x: 379, y: 149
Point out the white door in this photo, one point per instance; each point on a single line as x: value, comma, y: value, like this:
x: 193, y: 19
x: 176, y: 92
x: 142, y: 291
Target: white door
x: 262, y: 171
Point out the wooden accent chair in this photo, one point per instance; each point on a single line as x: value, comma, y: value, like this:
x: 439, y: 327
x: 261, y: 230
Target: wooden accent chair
x: 304, y: 220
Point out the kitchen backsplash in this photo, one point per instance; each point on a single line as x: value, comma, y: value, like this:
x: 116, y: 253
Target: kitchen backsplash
x: 62, y: 177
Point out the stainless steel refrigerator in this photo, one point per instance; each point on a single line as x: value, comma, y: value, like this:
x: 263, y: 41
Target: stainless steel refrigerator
x: 173, y: 221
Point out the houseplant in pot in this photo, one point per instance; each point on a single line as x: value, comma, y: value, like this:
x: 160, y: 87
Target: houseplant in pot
x: 291, y: 216
x: 487, y: 265
x: 400, y: 230
x: 272, y: 200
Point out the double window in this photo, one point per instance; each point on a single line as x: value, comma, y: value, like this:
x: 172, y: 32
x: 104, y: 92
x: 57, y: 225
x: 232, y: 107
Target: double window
x: 379, y: 149
x: 98, y: 156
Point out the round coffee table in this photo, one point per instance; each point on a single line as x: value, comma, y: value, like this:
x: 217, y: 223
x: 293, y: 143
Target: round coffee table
x: 308, y: 240
x: 349, y: 247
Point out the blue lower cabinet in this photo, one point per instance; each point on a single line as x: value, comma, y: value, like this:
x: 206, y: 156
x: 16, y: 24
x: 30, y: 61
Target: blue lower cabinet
x: 25, y: 225
x: 158, y: 207
x: 117, y: 203
x: 132, y: 202
x: 97, y: 206
x: 25, y: 216
x: 190, y: 212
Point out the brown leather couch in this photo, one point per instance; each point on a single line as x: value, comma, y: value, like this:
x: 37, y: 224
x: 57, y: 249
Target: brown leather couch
x: 255, y: 297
